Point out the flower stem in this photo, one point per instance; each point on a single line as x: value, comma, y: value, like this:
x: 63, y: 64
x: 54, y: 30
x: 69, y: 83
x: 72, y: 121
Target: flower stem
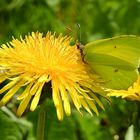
x: 41, y: 124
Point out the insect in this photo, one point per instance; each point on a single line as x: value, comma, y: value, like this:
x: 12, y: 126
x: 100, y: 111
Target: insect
x: 116, y: 60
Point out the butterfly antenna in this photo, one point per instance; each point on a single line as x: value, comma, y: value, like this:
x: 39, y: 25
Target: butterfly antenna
x: 79, y: 32
x: 68, y: 30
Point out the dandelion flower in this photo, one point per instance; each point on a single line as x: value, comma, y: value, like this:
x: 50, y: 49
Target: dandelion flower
x: 35, y: 61
x: 132, y: 93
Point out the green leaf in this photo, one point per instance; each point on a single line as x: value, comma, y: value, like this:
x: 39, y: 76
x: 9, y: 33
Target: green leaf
x: 89, y: 128
x: 116, y: 60
x: 9, y: 130
x: 54, y: 129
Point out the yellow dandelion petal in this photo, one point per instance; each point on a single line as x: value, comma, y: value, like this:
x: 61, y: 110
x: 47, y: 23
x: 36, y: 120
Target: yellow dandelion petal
x: 9, y: 85
x: 75, y: 98
x: 97, y: 100
x: 84, y: 104
x: 57, y: 100
x: 93, y: 106
x: 25, y: 92
x: 35, y: 88
x: 11, y: 92
x: 23, y: 105
x: 2, y: 78
x: 37, y: 60
x: 36, y: 98
x: 65, y: 98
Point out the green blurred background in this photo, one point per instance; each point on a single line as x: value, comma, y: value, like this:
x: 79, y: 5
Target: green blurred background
x: 98, y: 19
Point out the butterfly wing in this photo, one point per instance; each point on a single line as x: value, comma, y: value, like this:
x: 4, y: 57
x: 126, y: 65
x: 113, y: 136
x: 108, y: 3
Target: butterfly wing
x: 116, y: 60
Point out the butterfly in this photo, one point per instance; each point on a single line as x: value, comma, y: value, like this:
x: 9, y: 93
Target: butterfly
x: 116, y: 60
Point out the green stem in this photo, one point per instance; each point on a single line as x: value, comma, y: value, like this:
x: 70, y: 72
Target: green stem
x: 41, y: 124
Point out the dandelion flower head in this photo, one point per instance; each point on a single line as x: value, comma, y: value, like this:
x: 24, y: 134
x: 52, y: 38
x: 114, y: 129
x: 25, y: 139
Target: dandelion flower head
x: 37, y: 60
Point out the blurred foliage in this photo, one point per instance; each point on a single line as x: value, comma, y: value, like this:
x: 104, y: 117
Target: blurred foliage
x: 6, y: 132
x: 98, y: 19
